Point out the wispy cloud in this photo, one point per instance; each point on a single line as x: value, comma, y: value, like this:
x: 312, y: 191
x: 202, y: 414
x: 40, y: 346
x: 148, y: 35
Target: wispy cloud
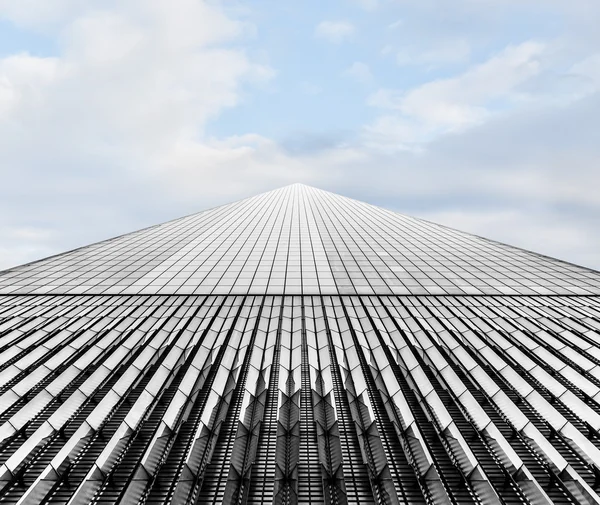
x: 443, y: 52
x: 368, y: 5
x: 310, y: 88
x: 464, y: 100
x: 360, y: 72
x: 335, y: 32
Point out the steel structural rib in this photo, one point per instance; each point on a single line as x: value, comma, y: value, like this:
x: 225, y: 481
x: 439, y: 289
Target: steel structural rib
x: 299, y: 399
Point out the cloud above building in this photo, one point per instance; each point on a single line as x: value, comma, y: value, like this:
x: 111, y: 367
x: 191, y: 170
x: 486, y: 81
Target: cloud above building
x: 334, y: 31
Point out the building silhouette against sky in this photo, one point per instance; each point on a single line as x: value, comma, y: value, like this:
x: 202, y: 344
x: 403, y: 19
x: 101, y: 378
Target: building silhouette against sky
x: 299, y: 347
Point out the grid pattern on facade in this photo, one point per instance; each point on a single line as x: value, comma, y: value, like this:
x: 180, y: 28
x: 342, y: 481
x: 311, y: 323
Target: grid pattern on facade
x: 299, y: 347
x: 299, y: 399
x: 299, y: 240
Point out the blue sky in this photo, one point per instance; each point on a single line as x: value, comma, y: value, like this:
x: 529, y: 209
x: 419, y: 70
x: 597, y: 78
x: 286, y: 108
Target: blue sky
x: 478, y: 114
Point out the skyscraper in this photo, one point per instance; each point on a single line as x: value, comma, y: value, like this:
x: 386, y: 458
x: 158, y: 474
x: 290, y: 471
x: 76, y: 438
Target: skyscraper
x: 299, y: 347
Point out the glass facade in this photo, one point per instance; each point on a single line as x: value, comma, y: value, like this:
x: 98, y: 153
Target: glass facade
x: 299, y: 347
x: 299, y: 240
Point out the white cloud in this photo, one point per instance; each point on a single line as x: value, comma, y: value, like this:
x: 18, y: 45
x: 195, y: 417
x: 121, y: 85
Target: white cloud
x: 137, y: 73
x: 335, y: 32
x: 368, y: 5
x: 40, y: 13
x: 310, y: 88
x: 130, y: 85
x: 465, y: 100
x: 360, y: 72
x: 445, y: 51
x: 104, y: 38
x: 589, y: 70
x: 23, y: 81
x: 389, y: 133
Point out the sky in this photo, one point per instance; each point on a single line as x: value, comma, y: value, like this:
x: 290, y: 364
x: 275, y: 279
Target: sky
x: 482, y: 115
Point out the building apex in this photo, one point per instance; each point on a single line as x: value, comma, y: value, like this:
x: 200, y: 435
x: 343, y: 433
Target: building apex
x: 299, y: 240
